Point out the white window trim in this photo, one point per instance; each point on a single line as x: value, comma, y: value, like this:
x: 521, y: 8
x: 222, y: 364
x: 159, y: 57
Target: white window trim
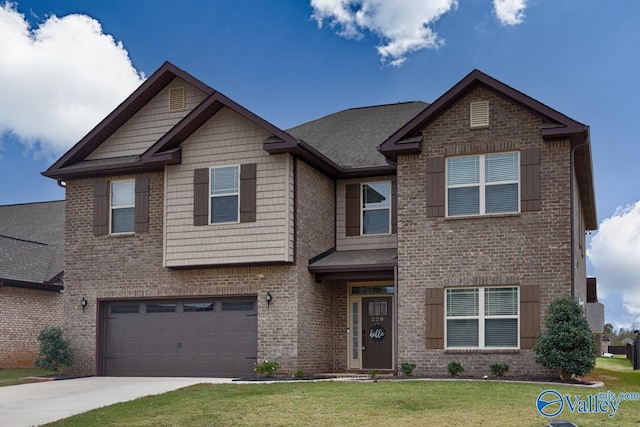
x: 482, y: 185
x: 237, y: 194
x: 112, y: 208
x: 377, y: 208
x: 481, y: 317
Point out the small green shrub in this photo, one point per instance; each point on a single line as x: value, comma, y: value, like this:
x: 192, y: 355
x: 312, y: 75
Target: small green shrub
x: 373, y: 373
x: 567, y: 344
x: 298, y: 373
x: 266, y: 369
x: 498, y: 369
x: 55, y: 351
x: 455, y: 368
x: 407, y: 368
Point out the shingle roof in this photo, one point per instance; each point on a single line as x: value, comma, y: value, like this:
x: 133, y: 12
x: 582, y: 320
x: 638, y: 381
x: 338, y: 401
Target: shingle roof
x: 32, y: 241
x: 350, y: 138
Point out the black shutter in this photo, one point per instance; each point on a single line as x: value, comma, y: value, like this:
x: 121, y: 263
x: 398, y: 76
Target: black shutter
x: 530, y: 180
x: 436, y: 187
x: 434, y: 318
x: 248, y: 192
x: 101, y: 208
x: 142, y: 205
x: 352, y: 210
x: 201, y: 197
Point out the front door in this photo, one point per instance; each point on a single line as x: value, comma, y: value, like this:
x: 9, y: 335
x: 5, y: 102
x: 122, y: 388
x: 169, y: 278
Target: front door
x: 377, y: 333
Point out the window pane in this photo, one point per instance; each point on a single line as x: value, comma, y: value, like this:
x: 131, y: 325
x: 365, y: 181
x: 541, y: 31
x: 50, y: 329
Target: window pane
x: 224, y: 209
x: 122, y: 220
x: 463, y: 170
x: 355, y: 332
x: 462, y: 333
x: 124, y: 308
x: 161, y: 308
x: 464, y: 201
x: 375, y: 222
x: 122, y: 193
x: 501, y: 167
x: 224, y: 180
x: 462, y: 302
x: 501, y: 198
x: 501, y: 333
x: 237, y: 306
x: 192, y: 307
x: 501, y: 302
x: 376, y: 194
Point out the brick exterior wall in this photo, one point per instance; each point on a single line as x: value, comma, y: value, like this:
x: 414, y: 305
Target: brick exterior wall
x: 130, y: 266
x: 24, y: 313
x: 530, y: 248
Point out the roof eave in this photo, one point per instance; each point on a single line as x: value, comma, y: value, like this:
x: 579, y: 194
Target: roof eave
x: 31, y: 285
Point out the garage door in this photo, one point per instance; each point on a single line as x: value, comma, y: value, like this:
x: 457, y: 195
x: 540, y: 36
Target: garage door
x: 204, y: 337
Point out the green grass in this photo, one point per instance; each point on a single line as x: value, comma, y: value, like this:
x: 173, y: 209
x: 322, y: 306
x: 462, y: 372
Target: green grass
x: 397, y: 403
x: 13, y: 376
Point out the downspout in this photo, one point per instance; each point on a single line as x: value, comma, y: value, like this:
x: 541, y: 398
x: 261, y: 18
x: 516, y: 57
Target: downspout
x: 572, y: 207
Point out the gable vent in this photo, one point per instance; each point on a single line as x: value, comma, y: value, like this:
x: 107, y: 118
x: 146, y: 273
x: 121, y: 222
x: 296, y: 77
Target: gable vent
x: 480, y: 114
x: 177, y: 98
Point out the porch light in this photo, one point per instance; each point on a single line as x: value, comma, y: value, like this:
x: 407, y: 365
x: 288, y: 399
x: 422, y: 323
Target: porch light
x: 269, y: 298
x: 83, y: 303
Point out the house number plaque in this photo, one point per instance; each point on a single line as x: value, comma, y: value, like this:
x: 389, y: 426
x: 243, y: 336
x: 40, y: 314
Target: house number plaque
x: 377, y: 333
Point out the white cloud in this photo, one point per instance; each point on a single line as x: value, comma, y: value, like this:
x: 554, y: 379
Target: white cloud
x: 403, y: 26
x: 58, y: 80
x: 510, y: 12
x: 614, y: 253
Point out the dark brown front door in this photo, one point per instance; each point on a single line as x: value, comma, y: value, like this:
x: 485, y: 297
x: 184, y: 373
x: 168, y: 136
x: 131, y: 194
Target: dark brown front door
x: 377, y: 350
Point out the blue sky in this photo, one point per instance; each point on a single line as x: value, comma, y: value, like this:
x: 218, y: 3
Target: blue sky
x: 64, y: 65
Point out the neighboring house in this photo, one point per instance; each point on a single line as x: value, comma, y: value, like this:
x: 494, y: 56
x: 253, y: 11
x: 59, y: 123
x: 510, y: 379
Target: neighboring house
x: 205, y: 238
x: 31, y: 277
x: 595, y: 316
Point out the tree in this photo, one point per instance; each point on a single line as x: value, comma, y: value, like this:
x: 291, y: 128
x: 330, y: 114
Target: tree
x: 608, y: 330
x: 55, y: 351
x: 567, y: 344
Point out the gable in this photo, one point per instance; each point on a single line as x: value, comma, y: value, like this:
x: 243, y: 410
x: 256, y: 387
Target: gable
x: 150, y: 123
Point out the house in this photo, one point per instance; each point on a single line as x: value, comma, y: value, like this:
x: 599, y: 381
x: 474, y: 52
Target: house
x: 31, y: 277
x: 204, y: 238
x: 594, y: 312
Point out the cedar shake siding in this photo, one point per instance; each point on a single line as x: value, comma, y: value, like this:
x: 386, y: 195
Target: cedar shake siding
x: 149, y: 124
x: 264, y: 232
x: 529, y: 249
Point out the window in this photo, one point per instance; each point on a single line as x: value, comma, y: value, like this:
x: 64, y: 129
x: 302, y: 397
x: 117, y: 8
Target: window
x: 124, y: 308
x: 237, y: 306
x: 122, y: 206
x: 483, y: 184
x: 193, y: 307
x: 376, y: 208
x: 482, y: 317
x: 224, y: 194
x: 161, y: 308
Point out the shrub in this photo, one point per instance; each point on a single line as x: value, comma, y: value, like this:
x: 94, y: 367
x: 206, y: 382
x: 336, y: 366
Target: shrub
x: 373, y: 373
x: 55, y: 351
x: 567, y: 344
x: 298, y: 373
x: 266, y: 369
x: 498, y: 369
x: 455, y: 368
x: 407, y: 368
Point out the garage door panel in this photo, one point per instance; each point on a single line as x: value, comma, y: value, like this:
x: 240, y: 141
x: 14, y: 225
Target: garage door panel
x: 212, y: 337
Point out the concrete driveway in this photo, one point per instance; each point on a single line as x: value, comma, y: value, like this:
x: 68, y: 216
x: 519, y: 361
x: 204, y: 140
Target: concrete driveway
x: 44, y: 402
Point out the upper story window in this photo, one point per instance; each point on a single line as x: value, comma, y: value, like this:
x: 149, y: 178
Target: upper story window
x: 122, y: 206
x: 376, y: 208
x: 482, y: 317
x: 483, y: 184
x: 224, y: 194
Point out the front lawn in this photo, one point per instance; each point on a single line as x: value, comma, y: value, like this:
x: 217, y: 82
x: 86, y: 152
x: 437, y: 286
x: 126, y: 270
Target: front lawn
x: 397, y: 403
x: 13, y: 376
